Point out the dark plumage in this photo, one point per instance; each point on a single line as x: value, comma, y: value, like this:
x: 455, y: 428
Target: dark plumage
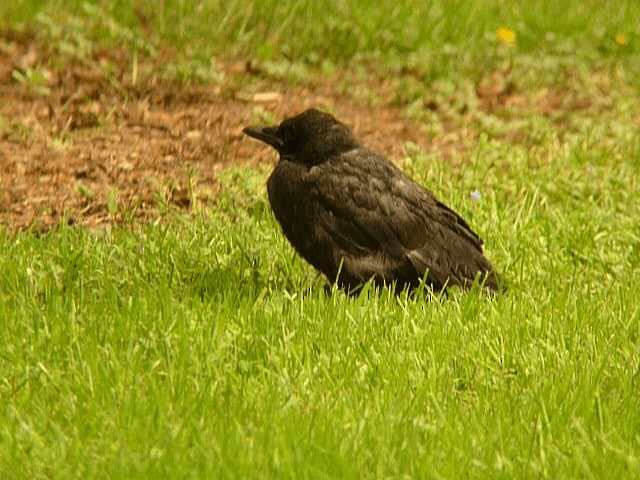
x: 354, y: 216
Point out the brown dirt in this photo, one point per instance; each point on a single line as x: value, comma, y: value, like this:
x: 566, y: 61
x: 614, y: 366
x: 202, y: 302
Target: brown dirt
x: 80, y: 142
x: 91, y: 147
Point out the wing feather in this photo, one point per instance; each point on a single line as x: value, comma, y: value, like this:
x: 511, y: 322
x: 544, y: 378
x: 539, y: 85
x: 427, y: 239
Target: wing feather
x: 383, y: 224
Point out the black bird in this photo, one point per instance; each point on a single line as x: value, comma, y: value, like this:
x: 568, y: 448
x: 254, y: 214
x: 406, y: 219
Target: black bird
x: 354, y: 216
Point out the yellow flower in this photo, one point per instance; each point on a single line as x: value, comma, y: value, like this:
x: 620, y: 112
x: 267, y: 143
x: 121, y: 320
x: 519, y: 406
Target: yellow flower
x: 506, y: 35
x: 621, y: 39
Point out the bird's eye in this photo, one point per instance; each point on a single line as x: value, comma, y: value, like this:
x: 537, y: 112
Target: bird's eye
x: 285, y: 135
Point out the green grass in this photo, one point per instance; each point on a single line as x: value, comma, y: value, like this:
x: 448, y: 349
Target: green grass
x: 203, y: 347
x: 432, y: 40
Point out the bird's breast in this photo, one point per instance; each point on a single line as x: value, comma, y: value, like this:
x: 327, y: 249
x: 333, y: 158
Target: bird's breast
x: 290, y: 200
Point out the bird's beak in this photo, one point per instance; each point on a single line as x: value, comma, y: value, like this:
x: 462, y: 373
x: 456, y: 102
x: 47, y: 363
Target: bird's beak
x: 267, y: 135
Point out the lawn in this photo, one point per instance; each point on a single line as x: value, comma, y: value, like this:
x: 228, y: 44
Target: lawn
x: 192, y: 342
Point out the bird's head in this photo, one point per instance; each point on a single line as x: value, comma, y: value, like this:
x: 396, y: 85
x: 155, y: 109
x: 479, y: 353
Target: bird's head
x: 310, y: 137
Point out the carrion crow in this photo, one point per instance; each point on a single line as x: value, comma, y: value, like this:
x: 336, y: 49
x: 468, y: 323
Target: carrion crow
x: 355, y: 216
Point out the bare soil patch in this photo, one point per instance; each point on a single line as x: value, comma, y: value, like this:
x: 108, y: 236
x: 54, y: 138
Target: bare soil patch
x: 85, y: 145
x: 91, y: 142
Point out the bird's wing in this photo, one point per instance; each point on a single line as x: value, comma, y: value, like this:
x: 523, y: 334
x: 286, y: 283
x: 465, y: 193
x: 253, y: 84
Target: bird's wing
x: 381, y: 220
